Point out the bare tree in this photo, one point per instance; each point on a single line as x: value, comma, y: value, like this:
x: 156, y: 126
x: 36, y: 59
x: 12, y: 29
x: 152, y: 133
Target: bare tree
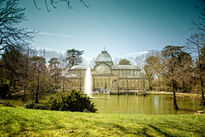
x: 196, y: 42
x: 39, y: 68
x: 10, y: 33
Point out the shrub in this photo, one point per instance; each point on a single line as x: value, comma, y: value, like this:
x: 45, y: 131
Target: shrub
x: 72, y: 101
x: 35, y: 106
x: 4, y: 103
x: 29, y: 105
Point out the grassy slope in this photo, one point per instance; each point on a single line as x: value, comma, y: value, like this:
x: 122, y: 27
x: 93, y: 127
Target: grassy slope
x: 27, y: 122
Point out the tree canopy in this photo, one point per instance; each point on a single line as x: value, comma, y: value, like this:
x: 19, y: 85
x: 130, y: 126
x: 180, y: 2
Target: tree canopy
x: 73, y: 57
x: 124, y: 62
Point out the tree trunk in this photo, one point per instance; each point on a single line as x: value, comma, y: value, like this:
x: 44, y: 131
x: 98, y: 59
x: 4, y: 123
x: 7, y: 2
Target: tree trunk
x: 25, y: 81
x: 127, y: 86
x: 118, y: 91
x: 37, y: 90
x: 63, y: 83
x: 127, y: 81
x: 202, y: 88
x: 174, y: 90
x: 201, y: 79
x: 80, y: 81
x: 174, y: 96
x: 24, y: 93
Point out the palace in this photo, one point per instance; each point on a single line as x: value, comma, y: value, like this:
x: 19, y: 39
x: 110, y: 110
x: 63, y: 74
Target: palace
x: 105, y: 75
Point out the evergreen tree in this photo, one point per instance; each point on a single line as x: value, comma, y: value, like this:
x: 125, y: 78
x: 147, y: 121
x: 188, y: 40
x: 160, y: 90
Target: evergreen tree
x: 73, y: 57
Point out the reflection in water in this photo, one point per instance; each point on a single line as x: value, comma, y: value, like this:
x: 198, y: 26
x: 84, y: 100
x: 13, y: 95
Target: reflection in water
x: 151, y: 104
x: 156, y: 104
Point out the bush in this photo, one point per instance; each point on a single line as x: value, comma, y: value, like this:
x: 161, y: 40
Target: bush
x: 66, y: 101
x: 4, y: 103
x: 72, y: 101
x: 29, y: 105
x: 35, y: 106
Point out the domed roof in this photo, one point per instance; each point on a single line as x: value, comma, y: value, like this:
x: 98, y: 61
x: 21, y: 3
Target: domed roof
x: 104, y: 56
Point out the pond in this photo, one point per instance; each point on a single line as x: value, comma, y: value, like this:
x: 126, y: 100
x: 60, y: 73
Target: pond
x: 133, y: 104
x: 151, y: 104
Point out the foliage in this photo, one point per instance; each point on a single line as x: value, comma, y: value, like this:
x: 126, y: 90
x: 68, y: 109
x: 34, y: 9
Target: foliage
x: 12, y: 37
x: 55, y: 72
x: 176, y: 62
x: 38, y: 68
x: 4, y: 103
x: 73, y: 57
x: 153, y: 68
x: 124, y: 62
x: 35, y: 106
x: 13, y: 62
x: 72, y: 101
x: 29, y: 122
x: 4, y: 91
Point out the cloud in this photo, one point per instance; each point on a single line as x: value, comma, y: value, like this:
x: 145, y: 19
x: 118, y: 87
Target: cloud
x: 134, y: 54
x: 57, y: 35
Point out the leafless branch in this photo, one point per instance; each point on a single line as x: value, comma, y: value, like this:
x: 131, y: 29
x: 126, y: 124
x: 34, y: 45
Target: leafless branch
x: 53, y: 3
x: 45, y: 1
x: 34, y: 1
x: 83, y: 2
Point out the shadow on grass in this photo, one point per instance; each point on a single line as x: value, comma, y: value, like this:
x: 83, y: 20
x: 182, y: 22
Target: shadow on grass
x: 140, y: 131
x: 159, y: 131
x: 23, y: 124
x: 143, y: 131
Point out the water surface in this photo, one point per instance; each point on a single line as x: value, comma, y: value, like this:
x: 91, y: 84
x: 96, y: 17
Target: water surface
x: 133, y: 104
x: 150, y: 104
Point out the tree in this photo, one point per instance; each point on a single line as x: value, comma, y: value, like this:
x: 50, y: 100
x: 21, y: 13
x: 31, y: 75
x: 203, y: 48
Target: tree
x: 140, y: 61
x: 173, y: 59
x: 39, y: 67
x: 13, y: 62
x: 185, y: 70
x: 10, y: 34
x: 73, y: 57
x: 55, y: 71
x: 26, y: 69
x: 200, y: 25
x: 202, y: 56
x: 153, y: 68
x: 124, y: 62
x: 196, y: 42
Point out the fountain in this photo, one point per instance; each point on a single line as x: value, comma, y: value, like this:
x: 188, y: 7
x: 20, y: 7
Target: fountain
x: 88, y: 82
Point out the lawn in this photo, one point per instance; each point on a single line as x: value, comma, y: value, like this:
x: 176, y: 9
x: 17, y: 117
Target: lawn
x: 27, y: 122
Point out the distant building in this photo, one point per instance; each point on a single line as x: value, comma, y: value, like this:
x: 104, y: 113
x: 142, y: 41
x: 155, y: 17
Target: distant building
x: 105, y: 75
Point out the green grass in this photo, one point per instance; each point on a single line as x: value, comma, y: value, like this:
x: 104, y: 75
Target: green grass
x: 26, y: 122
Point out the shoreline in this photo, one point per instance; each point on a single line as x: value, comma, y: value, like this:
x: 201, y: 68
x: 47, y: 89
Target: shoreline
x: 170, y: 93
x: 144, y: 93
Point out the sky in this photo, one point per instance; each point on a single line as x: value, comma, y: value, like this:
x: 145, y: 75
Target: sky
x: 125, y: 28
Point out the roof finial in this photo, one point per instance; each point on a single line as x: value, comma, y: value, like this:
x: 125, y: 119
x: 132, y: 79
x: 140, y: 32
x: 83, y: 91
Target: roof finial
x: 104, y: 48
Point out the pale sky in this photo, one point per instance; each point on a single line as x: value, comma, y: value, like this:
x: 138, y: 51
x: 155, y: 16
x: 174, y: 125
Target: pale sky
x: 125, y: 28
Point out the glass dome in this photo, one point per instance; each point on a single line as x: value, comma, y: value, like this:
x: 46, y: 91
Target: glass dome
x: 104, y: 56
